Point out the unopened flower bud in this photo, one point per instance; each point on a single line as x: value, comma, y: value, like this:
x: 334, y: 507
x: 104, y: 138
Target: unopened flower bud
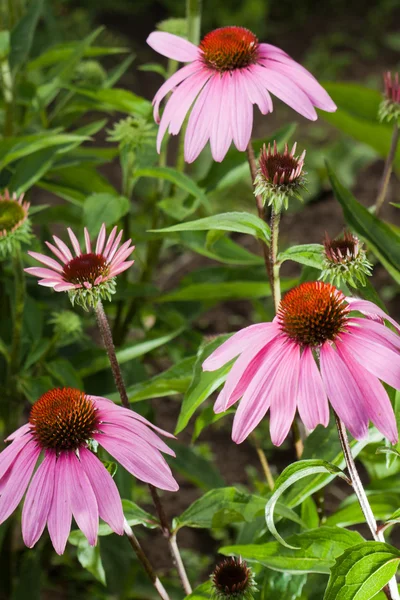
x: 14, y: 224
x: 280, y: 176
x: 345, y: 259
x: 232, y: 579
x: 389, y: 109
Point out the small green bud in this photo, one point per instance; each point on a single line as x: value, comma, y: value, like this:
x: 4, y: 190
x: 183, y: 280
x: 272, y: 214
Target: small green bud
x: 67, y: 327
x: 345, y: 259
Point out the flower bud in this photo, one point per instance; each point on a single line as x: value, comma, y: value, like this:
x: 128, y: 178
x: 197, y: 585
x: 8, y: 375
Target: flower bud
x: 232, y: 579
x: 14, y: 224
x: 345, y: 259
x: 389, y: 109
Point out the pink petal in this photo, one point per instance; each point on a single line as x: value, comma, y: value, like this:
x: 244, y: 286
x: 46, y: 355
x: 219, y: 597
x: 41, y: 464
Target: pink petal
x: 74, y: 242
x: 379, y: 360
x: 101, y: 239
x: 266, y: 49
x: 105, y: 490
x: 171, y: 83
x: 312, y: 402
x: 173, y: 46
x: 122, y: 253
x: 235, y: 345
x: 10, y: 453
x: 371, y: 310
x: 60, y: 515
x: 380, y: 333
x: 110, y: 242
x: 243, y: 370
x: 38, y: 500
x: 82, y: 499
x: 18, y: 433
x: 256, y: 93
x: 287, y: 91
x: 122, y: 267
x: 343, y: 392
x: 46, y: 260
x: 200, y: 122
x: 17, y: 480
x: 284, y: 394
x: 257, y: 397
x: 47, y: 283
x: 63, y: 248
x: 140, y: 459
x: 42, y: 272
x: 114, y: 247
x: 87, y: 241
x: 124, y: 427
x: 377, y: 403
x: 241, y: 111
x: 57, y: 252
x: 65, y: 287
x: 221, y: 133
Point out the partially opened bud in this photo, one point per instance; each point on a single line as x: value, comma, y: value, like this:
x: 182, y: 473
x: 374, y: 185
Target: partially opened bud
x: 345, y: 259
x: 389, y: 109
x: 14, y: 223
x: 280, y: 176
x: 233, y: 579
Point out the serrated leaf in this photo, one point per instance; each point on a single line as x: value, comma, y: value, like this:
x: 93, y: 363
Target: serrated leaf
x: 362, y: 571
x: 316, y: 550
x: 292, y: 473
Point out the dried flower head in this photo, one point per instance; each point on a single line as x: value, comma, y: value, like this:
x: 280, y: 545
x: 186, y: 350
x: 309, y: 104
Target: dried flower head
x: 280, y: 175
x: 233, y: 579
x: 345, y: 259
x: 390, y: 106
x: 14, y: 223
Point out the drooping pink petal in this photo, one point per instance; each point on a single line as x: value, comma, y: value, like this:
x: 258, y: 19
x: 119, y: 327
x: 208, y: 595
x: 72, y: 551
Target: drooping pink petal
x: 257, y: 397
x: 377, y: 403
x: 101, y: 240
x: 38, y: 500
x: 124, y: 427
x: 241, y: 111
x: 114, y: 271
x: 343, y: 392
x: 143, y: 461
x: 74, y: 242
x: 377, y: 331
x: 20, y: 432
x: 43, y: 272
x: 18, y: 479
x: 370, y: 310
x: 47, y: 282
x: 243, y: 371
x: 171, y: 83
x: 256, y: 93
x: 10, y: 453
x: 286, y: 90
x: 265, y: 50
x: 173, y: 46
x: 221, y: 133
x: 46, y: 260
x: 60, y: 514
x: 105, y: 490
x: 283, y: 398
x: 379, y: 360
x: 312, y: 402
x: 235, y: 345
x: 63, y: 248
x: 199, y: 125
x: 82, y: 499
x: 65, y: 287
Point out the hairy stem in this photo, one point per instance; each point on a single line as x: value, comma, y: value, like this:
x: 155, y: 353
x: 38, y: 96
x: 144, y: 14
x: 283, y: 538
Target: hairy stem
x: 275, y: 266
x: 362, y: 498
x: 116, y: 369
x: 387, y: 171
x: 145, y: 561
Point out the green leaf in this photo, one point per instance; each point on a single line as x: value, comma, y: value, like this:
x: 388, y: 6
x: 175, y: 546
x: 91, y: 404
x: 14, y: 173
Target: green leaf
x: 218, y: 292
x: 238, y: 222
x: 362, y: 571
x: 30, y: 169
x: 90, y: 559
x: 292, y: 473
x: 381, y: 238
x: 13, y: 148
x: 99, y: 363
x: 75, y: 184
x: 383, y: 504
x: 62, y: 52
x: 202, y: 592
x: 306, y: 254
x: 203, y: 384
x: 316, y: 550
x: 175, y: 380
x: 115, y: 99
x: 181, y: 180
x: 282, y: 586
x: 207, y: 417
x: 194, y: 467
x: 23, y: 32
x: 223, y: 250
x: 103, y: 208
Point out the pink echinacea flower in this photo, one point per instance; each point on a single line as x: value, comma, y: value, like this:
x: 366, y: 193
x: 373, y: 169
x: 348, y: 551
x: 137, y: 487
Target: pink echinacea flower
x: 64, y: 425
x: 315, y: 350
x: 228, y: 73
x: 90, y: 274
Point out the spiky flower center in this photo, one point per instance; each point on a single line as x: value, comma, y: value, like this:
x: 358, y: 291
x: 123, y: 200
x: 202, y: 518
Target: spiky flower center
x: 232, y: 577
x: 342, y: 250
x: 280, y: 168
x: 229, y: 48
x: 392, y: 87
x: 63, y: 419
x: 313, y: 313
x: 86, y: 268
x: 11, y: 213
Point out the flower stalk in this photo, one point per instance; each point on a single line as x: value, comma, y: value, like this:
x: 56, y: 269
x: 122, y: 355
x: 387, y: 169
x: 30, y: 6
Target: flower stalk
x: 387, y: 171
x: 119, y: 382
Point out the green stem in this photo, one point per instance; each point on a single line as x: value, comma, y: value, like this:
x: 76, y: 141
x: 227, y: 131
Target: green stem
x: 193, y: 15
x: 387, y: 171
x: 275, y: 265
x: 8, y: 94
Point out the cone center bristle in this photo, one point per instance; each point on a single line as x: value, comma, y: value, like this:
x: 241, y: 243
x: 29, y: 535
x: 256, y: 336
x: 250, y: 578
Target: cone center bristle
x: 86, y: 268
x: 313, y: 313
x: 11, y: 213
x: 279, y: 164
x: 63, y: 419
x: 229, y: 48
